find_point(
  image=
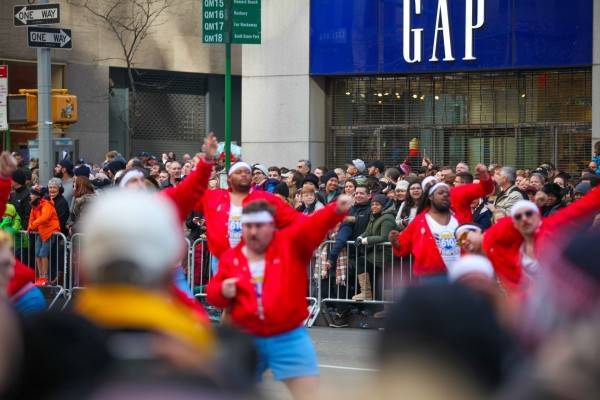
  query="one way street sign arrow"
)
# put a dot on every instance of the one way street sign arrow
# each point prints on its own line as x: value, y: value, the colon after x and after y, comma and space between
x: 37, y: 14
x: 49, y: 37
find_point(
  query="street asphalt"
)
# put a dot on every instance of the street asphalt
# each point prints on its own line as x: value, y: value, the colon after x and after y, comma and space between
x: 347, y: 363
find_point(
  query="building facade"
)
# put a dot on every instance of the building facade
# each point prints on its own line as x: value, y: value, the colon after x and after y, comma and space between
x: 180, y: 95
x: 492, y: 81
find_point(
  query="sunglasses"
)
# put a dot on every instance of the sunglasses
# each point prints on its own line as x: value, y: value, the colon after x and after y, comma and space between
x: 520, y: 216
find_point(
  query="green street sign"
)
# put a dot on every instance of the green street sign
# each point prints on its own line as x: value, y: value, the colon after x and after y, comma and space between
x: 240, y: 17
x: 214, y: 21
x: 245, y: 20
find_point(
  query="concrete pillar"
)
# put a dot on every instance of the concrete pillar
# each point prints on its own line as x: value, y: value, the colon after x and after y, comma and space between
x: 596, y: 76
x: 283, y: 108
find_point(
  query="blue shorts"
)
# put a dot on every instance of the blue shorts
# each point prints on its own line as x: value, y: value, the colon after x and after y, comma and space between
x: 42, y: 249
x: 288, y: 355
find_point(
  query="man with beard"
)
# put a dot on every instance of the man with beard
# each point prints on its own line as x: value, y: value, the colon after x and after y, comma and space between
x: 222, y: 209
x: 64, y: 171
x: 263, y: 282
x: 430, y: 237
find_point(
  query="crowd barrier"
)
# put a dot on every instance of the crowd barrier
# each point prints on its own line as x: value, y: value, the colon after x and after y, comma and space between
x: 327, y: 283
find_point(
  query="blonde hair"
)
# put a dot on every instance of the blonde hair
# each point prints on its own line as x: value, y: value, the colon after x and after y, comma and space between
x: 307, y: 189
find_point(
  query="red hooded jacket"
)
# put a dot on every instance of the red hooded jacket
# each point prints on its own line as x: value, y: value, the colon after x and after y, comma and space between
x: 418, y: 239
x: 215, y: 205
x: 502, y: 242
x: 285, y: 277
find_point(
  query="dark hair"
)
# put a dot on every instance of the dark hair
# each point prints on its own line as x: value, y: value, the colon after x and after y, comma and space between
x: 597, y: 148
x: 276, y: 169
x: 83, y: 186
x: 467, y: 177
x: 136, y: 163
x: 361, y: 186
x: 410, y: 202
x: 298, y: 179
x: 447, y: 167
x: 258, y: 206
x: 283, y: 170
x: 353, y: 182
x: 393, y: 173
x: 323, y: 168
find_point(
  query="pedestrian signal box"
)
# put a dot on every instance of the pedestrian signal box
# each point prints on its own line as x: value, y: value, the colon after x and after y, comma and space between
x: 23, y: 107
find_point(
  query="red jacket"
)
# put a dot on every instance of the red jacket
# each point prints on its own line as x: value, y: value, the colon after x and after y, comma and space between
x: 285, y: 277
x: 5, y: 184
x: 185, y: 195
x: 21, y: 277
x: 215, y: 206
x: 502, y: 242
x: 462, y: 196
x: 418, y: 239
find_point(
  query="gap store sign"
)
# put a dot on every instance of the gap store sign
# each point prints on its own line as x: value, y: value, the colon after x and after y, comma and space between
x: 404, y: 36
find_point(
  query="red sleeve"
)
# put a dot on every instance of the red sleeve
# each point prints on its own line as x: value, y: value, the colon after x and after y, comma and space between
x: 22, y: 275
x: 309, y: 232
x: 213, y: 290
x: 501, y: 244
x: 285, y: 214
x: 405, y: 239
x: 462, y: 196
x: 5, y: 184
x: 574, y: 214
x: 190, y: 190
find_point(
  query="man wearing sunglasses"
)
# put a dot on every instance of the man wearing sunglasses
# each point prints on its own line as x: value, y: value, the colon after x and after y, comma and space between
x: 514, y: 244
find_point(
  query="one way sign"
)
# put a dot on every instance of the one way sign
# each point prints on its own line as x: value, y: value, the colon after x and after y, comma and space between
x: 37, y: 14
x: 49, y: 37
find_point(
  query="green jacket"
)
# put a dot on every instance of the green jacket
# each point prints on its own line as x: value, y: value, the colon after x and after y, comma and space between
x: 11, y: 223
x: 380, y: 227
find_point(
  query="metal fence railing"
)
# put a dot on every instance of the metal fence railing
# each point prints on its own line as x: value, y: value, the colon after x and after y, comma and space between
x: 362, y: 274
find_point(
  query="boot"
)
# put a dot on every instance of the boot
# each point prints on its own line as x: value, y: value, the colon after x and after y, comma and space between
x: 365, y: 288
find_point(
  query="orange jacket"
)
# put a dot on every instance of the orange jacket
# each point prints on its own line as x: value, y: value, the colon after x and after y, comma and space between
x: 43, y: 219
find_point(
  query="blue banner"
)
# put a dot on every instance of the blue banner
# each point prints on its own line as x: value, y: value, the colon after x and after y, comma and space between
x: 412, y: 36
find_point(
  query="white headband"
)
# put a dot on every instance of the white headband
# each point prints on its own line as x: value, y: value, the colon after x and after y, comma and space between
x: 523, y: 205
x: 427, y: 181
x: 466, y: 227
x: 129, y: 175
x: 437, y: 186
x: 260, y: 217
x: 238, y: 165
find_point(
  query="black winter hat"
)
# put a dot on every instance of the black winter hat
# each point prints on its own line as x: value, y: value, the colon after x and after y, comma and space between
x: 282, y: 189
x: 19, y: 177
x: 82, y: 170
x: 66, y: 164
x: 37, y: 192
x: 554, y: 189
x: 311, y: 178
x: 327, y: 176
x: 380, y: 198
x: 115, y: 166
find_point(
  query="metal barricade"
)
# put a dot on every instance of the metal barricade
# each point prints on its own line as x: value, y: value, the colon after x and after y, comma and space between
x: 360, y: 268
x: 55, y: 261
x: 74, y: 261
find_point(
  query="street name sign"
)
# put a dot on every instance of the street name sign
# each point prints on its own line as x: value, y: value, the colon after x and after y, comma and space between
x: 36, y: 14
x: 245, y: 22
x: 49, y: 37
x: 231, y: 21
x: 3, y: 96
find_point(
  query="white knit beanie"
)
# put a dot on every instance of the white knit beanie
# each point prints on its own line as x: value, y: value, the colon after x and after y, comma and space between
x: 134, y: 227
x: 470, y: 264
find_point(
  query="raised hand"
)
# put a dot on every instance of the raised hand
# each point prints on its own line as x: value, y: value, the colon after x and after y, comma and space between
x: 344, y: 202
x: 8, y: 164
x: 209, y: 147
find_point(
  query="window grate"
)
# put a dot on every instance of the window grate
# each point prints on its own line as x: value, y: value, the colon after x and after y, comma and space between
x: 519, y: 118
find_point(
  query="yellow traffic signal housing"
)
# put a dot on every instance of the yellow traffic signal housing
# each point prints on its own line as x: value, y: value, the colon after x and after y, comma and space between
x: 64, y: 108
x: 23, y: 107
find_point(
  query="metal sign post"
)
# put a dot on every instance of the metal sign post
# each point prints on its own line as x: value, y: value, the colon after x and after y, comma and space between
x: 227, y: 22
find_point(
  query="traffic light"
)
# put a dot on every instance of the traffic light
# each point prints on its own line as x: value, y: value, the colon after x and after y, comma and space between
x: 23, y: 107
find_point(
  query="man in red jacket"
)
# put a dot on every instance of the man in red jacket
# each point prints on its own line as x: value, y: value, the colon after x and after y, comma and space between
x: 263, y: 282
x: 430, y: 236
x: 514, y: 244
x: 222, y: 209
